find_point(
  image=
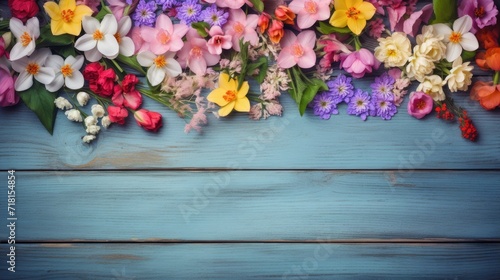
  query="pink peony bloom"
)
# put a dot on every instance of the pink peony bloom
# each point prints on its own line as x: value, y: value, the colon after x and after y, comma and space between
x: 310, y: 11
x: 420, y: 104
x: 165, y: 36
x: 359, y: 63
x: 239, y: 25
x: 218, y: 41
x: 483, y: 13
x: 195, y: 54
x: 8, y: 96
x: 297, y: 50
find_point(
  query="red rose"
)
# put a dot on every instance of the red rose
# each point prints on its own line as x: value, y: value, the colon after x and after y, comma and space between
x: 117, y: 114
x: 129, y: 82
x: 23, y: 9
x: 148, y: 120
x: 105, y: 83
x: 132, y: 99
x: 92, y: 71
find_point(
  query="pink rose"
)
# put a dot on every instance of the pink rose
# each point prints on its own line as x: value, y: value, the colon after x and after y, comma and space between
x: 359, y: 63
x: 117, y: 114
x: 148, y: 120
x: 8, y: 96
x: 420, y: 104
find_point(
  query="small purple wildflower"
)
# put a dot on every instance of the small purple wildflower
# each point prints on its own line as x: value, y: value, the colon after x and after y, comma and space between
x: 341, y: 89
x: 360, y: 104
x: 167, y: 4
x: 324, y: 105
x: 383, y: 108
x: 189, y: 12
x: 383, y: 86
x: 214, y: 16
x: 144, y: 14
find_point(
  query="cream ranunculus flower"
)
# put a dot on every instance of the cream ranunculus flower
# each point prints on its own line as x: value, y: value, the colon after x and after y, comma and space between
x: 419, y: 65
x: 460, y: 76
x: 432, y: 86
x: 431, y: 44
x: 394, y: 50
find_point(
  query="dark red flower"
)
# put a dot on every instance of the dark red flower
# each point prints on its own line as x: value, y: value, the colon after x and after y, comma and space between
x: 23, y: 9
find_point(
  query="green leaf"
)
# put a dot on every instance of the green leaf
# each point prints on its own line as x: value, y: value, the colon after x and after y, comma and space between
x: 258, y: 5
x: 65, y: 51
x: 46, y: 38
x: 261, y: 64
x: 41, y: 101
x: 298, y: 85
x: 4, y: 25
x: 468, y: 56
x: 310, y: 93
x: 104, y: 11
x: 326, y: 28
x: 132, y: 63
x: 244, y: 62
x: 201, y: 27
x: 445, y: 11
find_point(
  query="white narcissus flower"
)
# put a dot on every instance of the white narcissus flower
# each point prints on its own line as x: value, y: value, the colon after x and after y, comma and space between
x: 97, y: 111
x: 419, y: 66
x: 26, y: 36
x: 159, y: 66
x: 74, y: 115
x: 33, y: 66
x: 82, y: 97
x: 127, y: 47
x: 432, y: 86
x: 394, y: 50
x: 431, y: 44
x: 99, y: 39
x: 105, y: 122
x: 62, y: 103
x: 460, y: 76
x: 88, y: 138
x: 459, y: 38
x: 67, y: 72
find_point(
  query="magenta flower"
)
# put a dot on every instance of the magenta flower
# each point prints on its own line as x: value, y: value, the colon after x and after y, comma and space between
x: 297, y: 50
x: 8, y: 96
x: 195, y: 54
x: 218, y: 41
x: 359, y: 63
x: 239, y: 25
x: 420, y: 104
x: 310, y: 11
x: 483, y: 13
x: 165, y: 36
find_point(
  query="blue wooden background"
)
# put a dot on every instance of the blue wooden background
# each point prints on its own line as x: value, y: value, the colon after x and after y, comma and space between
x: 287, y: 198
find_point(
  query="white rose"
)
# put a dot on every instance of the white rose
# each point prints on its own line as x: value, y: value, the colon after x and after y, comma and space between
x: 394, y: 50
x: 105, y: 122
x: 93, y: 129
x: 430, y: 44
x: 419, y: 66
x: 62, y: 103
x: 74, y: 115
x: 97, y: 111
x: 88, y: 138
x: 432, y: 86
x: 90, y: 120
x: 82, y: 98
x: 460, y: 76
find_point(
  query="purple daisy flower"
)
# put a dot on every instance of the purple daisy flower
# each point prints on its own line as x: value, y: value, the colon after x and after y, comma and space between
x: 383, y: 108
x: 145, y: 14
x: 167, y: 4
x: 214, y: 16
x: 341, y: 89
x: 324, y: 105
x: 383, y: 86
x: 189, y: 12
x: 360, y: 104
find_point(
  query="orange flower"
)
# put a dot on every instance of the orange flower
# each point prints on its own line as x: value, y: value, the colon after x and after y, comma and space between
x: 276, y: 31
x: 487, y: 94
x: 481, y: 61
x: 488, y: 37
x: 284, y: 14
x: 493, y: 58
x: 263, y: 22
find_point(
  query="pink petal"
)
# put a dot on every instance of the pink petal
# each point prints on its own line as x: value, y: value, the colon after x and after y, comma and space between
x: 198, y: 65
x: 308, y: 60
x: 307, y: 39
x: 164, y: 22
x: 288, y: 39
x: 286, y: 59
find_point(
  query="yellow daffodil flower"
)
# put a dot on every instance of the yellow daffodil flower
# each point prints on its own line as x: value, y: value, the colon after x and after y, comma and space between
x: 66, y: 18
x: 228, y: 97
x: 353, y: 14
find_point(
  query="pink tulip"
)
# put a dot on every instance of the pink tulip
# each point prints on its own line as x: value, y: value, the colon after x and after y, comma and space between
x: 195, y: 54
x: 359, y: 63
x: 420, y: 104
x: 165, y: 36
x: 297, y: 50
x: 8, y: 96
x: 218, y: 41
x: 239, y: 25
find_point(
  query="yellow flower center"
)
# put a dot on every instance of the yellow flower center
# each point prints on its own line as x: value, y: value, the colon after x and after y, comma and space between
x: 311, y: 7
x: 297, y: 50
x: 352, y: 13
x: 33, y: 68
x: 163, y: 37
x: 230, y: 95
x: 196, y: 52
x: 98, y: 35
x: 118, y: 38
x: 67, y: 71
x: 455, y: 37
x: 67, y: 15
x: 479, y: 12
x: 239, y: 28
x: 25, y: 39
x: 391, y: 53
x: 160, y: 61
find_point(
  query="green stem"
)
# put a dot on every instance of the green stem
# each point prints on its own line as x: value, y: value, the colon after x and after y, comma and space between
x: 357, y: 43
x: 117, y: 65
x: 496, y: 78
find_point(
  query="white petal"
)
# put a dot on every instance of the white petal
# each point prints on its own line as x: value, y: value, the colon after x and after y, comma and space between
x: 17, y: 27
x: 155, y: 75
x: 462, y: 25
x: 75, y: 81
x: 127, y: 47
x: 24, y: 81
x: 40, y: 56
x: 20, y: 65
x: 93, y: 55
x: 109, y: 24
x: 18, y: 51
x: 108, y: 46
x: 443, y: 29
x: 124, y: 26
x: 453, y: 51
x: 56, y: 84
x: 54, y: 62
x: 90, y: 24
x: 173, y: 68
x: 146, y: 58
x: 469, y: 42
x: 75, y: 62
x: 85, y: 43
x: 45, y: 75
x: 33, y: 26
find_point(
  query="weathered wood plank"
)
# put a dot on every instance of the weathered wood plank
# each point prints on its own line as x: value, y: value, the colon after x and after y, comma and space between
x: 290, y: 142
x: 255, y: 205
x: 254, y: 261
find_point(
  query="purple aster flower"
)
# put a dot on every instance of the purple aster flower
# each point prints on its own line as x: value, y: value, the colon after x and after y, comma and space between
x: 145, y: 14
x: 189, y: 12
x: 483, y: 12
x: 383, y: 108
x: 360, y: 104
x: 383, y: 86
x: 341, y: 89
x: 167, y: 4
x: 214, y: 16
x: 324, y: 105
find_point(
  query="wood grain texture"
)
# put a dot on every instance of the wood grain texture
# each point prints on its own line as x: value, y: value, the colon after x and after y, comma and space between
x: 256, y: 261
x: 255, y: 205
